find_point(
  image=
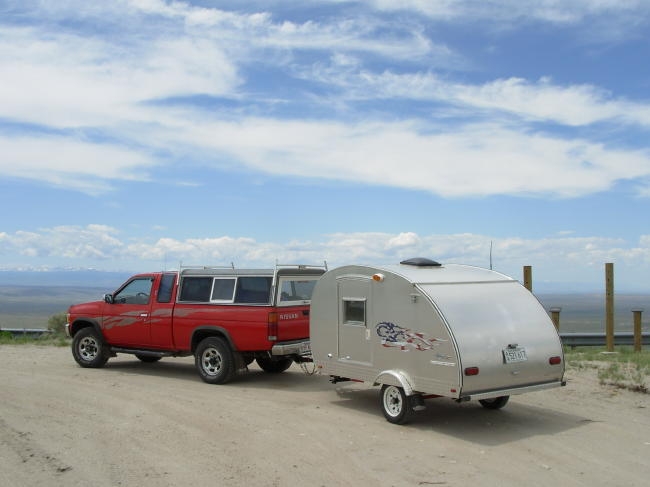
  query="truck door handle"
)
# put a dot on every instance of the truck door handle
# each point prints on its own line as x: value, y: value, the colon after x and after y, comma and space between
x: 144, y: 315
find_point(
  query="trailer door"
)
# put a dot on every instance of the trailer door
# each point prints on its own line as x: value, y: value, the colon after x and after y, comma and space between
x: 354, y: 309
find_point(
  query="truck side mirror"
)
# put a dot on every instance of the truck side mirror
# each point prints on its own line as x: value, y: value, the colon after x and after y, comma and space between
x: 108, y: 298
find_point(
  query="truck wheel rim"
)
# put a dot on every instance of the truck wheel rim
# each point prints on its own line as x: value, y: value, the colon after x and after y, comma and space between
x: 393, y: 403
x: 88, y: 348
x: 212, y: 361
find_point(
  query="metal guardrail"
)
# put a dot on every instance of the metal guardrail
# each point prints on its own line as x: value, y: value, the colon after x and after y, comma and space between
x: 599, y: 339
x: 26, y: 331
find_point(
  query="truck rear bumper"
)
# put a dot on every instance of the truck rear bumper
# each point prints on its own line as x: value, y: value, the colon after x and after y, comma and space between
x: 512, y: 391
x: 297, y: 347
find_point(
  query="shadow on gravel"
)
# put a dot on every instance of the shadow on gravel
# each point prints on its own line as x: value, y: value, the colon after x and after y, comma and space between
x: 293, y: 379
x: 470, y: 421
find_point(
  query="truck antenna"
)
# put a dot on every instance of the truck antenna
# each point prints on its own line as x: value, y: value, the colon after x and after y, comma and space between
x: 490, y: 254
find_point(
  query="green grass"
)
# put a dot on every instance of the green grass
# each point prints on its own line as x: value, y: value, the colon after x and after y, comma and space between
x: 622, y: 368
x: 49, y: 339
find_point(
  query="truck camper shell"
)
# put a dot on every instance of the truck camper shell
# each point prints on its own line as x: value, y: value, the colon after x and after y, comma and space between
x: 421, y: 329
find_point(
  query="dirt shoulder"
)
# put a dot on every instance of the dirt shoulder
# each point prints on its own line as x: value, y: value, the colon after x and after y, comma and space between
x: 136, y: 424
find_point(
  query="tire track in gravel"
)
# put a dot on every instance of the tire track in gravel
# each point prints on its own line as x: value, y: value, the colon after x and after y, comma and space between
x: 29, y: 452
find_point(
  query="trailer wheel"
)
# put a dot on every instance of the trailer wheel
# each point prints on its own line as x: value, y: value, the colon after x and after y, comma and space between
x: 396, y: 405
x: 273, y: 366
x: 147, y: 358
x: 495, y: 403
x: 89, y: 349
x: 214, y: 361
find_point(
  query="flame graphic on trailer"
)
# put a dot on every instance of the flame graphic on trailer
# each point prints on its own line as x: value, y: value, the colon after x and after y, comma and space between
x: 393, y: 335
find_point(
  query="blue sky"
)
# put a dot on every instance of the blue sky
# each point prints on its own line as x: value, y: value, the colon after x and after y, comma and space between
x: 135, y: 134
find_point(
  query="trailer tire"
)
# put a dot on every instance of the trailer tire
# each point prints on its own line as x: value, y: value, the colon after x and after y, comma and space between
x: 494, y: 403
x: 214, y: 361
x: 273, y: 366
x: 149, y: 359
x: 396, y: 405
x: 89, y: 349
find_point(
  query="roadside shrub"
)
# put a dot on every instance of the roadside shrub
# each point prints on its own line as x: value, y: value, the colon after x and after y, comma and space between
x: 56, y: 324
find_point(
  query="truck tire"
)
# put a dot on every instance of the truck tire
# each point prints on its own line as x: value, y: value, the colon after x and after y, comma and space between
x: 273, y: 366
x: 89, y: 349
x: 215, y: 361
x: 494, y: 403
x: 396, y: 405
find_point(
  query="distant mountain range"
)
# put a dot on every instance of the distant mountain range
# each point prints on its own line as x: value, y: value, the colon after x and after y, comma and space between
x: 28, y: 298
x: 92, y: 278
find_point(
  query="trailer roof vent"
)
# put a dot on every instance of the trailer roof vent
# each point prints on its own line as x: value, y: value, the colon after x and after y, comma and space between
x: 421, y: 262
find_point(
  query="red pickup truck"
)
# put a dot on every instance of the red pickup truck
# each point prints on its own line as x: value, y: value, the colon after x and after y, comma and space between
x: 225, y: 317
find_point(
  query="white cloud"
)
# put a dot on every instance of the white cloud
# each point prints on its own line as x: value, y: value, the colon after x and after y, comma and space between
x: 552, y: 11
x: 93, y: 242
x: 571, y: 105
x: 558, y: 259
x: 91, y: 82
x: 473, y: 160
x: 70, y: 163
x: 104, y: 84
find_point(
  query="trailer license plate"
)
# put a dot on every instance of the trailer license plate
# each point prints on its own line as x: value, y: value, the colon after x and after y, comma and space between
x: 512, y: 355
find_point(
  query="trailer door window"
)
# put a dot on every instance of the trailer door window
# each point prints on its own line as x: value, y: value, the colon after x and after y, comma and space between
x: 354, y: 311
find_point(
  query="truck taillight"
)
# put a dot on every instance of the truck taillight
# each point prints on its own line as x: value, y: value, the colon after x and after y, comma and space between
x: 273, y: 326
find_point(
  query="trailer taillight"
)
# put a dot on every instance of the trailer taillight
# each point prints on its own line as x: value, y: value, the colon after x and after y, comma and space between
x: 555, y: 360
x: 272, y: 330
x: 471, y: 371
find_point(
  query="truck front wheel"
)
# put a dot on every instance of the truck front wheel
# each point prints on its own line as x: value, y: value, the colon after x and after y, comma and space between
x: 397, y: 406
x: 215, y: 361
x: 89, y: 349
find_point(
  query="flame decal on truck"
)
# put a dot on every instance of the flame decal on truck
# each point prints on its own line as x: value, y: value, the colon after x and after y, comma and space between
x: 405, y: 339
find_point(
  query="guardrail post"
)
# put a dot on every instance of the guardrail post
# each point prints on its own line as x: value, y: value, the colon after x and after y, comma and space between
x: 609, y: 306
x: 637, y: 329
x: 528, y: 278
x: 555, y: 316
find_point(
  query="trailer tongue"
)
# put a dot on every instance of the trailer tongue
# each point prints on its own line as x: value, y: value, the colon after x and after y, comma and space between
x: 421, y: 329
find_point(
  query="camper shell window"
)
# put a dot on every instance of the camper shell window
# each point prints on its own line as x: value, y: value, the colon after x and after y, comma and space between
x: 222, y: 290
x: 225, y: 290
x: 354, y: 311
x: 295, y: 290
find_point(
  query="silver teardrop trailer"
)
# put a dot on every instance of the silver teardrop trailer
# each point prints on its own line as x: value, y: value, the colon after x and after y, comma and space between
x: 422, y: 330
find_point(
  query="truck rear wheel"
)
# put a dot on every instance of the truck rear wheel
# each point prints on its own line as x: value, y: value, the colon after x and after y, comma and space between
x: 272, y: 366
x: 396, y: 405
x: 494, y: 403
x: 215, y: 361
x: 89, y: 349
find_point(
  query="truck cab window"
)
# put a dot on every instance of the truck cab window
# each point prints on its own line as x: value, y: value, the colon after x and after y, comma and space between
x: 166, y: 288
x: 136, y: 291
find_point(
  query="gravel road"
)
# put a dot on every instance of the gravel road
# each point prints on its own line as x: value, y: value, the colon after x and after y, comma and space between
x: 137, y: 424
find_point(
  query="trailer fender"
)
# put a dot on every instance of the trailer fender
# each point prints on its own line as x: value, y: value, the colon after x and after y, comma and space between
x: 395, y: 378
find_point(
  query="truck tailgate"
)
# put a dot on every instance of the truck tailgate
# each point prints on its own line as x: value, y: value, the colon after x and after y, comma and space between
x: 293, y: 323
